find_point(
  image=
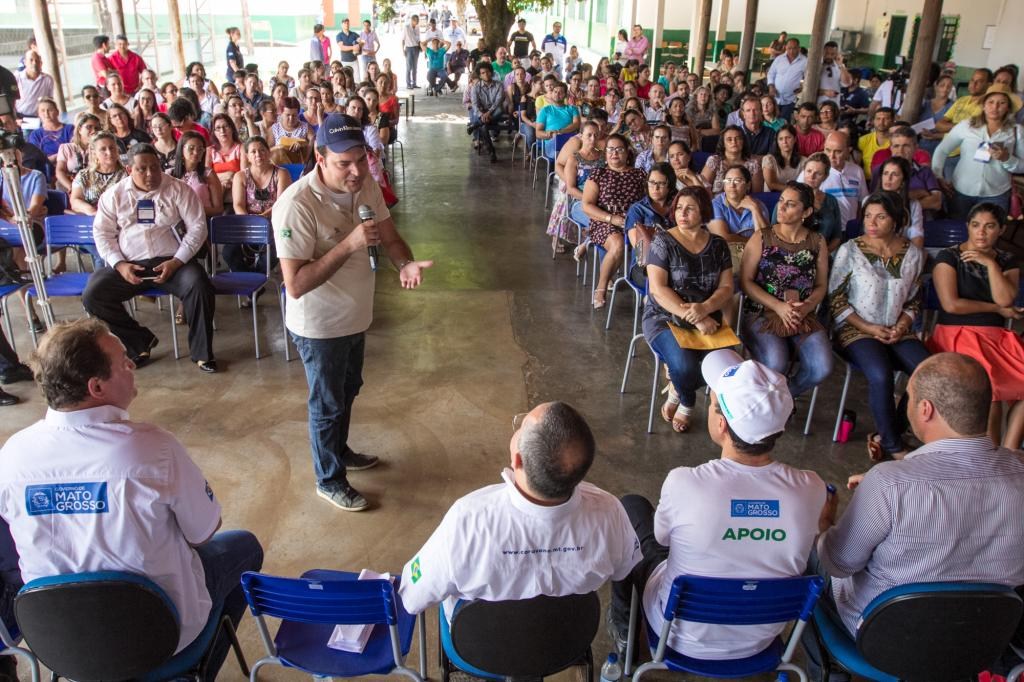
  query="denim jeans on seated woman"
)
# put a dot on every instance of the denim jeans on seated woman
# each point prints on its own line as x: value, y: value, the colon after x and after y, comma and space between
x: 812, y: 349
x: 577, y: 214
x: 683, y: 365
x: 878, y: 362
x: 530, y: 134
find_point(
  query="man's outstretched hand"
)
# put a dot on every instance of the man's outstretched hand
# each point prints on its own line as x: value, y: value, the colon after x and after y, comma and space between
x: 411, y: 274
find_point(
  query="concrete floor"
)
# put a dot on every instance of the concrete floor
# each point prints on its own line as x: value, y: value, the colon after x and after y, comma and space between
x: 497, y: 327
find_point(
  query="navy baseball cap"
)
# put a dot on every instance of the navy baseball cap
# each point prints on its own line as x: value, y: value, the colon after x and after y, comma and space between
x: 339, y: 133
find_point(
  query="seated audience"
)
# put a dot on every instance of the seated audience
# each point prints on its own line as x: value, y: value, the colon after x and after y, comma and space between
x: 784, y: 163
x: 542, y: 504
x: 51, y: 133
x: 828, y: 118
x: 701, y: 112
x: 680, y: 158
x: 950, y: 511
x: 661, y: 137
x: 894, y: 176
x: 290, y: 139
x: 163, y: 140
x: 118, y: 96
x: 770, y: 113
x: 689, y: 274
x: 103, y: 172
x: 144, y: 109
x: 135, y: 250
x: 556, y: 118
x: 874, y: 296
x: 977, y: 285
x: 697, y: 530
x: 92, y: 99
x: 378, y: 119
x: 679, y: 124
x: 241, y: 117
x: 190, y: 167
x: 73, y: 156
x: 735, y: 214
x: 733, y: 150
x: 635, y: 129
x: 607, y: 195
x: 784, y: 273
x: 845, y: 180
x: 876, y: 139
x: 826, y: 209
x: 809, y: 139
x: 760, y: 137
x: 489, y: 106
x: 159, y: 517
x: 119, y: 123
x: 183, y: 118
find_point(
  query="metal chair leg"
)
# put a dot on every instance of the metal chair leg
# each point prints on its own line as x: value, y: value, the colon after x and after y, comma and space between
x: 629, y: 360
x: 255, y: 326
x: 611, y: 303
x: 842, y: 404
x: 654, y: 392
x: 810, y: 411
x: 174, y: 328
x: 634, y: 608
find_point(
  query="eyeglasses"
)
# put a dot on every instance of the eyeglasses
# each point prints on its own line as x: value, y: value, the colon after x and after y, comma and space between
x: 657, y: 183
x: 734, y: 181
x: 615, y: 150
x: 517, y: 421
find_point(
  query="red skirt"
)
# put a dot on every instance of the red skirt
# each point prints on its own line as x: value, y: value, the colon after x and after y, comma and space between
x: 999, y: 351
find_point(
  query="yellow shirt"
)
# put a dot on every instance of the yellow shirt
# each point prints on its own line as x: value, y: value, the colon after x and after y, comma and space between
x: 540, y: 102
x: 868, y: 145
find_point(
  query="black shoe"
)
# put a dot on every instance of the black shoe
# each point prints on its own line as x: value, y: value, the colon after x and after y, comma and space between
x: 344, y: 497
x: 208, y: 366
x: 141, y: 359
x: 8, y: 399
x: 16, y: 374
x: 355, y: 461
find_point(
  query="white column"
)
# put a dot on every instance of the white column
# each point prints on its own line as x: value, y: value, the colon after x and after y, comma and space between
x: 659, y: 32
x: 723, y: 20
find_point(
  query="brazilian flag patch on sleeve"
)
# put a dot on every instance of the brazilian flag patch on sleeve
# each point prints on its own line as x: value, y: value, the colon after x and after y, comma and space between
x: 415, y: 573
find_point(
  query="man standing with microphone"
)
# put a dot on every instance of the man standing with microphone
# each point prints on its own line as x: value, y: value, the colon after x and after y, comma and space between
x: 327, y: 228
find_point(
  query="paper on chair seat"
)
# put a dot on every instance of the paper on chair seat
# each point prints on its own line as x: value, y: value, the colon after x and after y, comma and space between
x: 353, y: 638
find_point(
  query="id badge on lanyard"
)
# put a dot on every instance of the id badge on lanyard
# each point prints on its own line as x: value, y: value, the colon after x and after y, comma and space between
x: 145, y: 212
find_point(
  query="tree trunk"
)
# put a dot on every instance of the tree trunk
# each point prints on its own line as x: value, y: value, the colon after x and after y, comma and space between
x: 460, y: 12
x: 496, y: 21
x: 100, y: 8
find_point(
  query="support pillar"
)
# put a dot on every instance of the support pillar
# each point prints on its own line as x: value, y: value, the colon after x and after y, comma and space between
x: 116, y: 18
x: 749, y: 34
x: 47, y: 48
x: 721, y: 29
x: 246, y: 27
x: 927, y: 33
x: 177, y: 49
x: 699, y: 44
x: 659, y: 37
x: 632, y: 18
x: 819, y: 35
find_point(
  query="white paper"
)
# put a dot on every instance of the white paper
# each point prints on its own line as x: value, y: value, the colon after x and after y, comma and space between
x: 353, y: 638
x: 924, y: 126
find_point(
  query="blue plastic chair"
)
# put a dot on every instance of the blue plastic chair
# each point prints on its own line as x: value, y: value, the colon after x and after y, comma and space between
x: 854, y: 229
x: 56, y: 202
x: 309, y: 607
x: 698, y: 160
x: 654, y: 384
x: 549, y: 153
x: 241, y: 229
x: 629, y: 259
x: 729, y: 601
x: 10, y: 234
x: 769, y: 199
x: 62, y: 231
x: 294, y: 170
x: 910, y: 632
x: 113, y: 625
x: 940, y: 234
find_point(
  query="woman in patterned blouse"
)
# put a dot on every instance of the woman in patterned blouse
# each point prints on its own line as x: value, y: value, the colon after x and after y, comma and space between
x: 874, y: 295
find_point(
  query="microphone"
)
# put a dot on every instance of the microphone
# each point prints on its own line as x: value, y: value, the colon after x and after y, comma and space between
x: 366, y: 213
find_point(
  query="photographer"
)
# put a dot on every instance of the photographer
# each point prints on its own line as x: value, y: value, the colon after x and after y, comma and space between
x: 890, y: 93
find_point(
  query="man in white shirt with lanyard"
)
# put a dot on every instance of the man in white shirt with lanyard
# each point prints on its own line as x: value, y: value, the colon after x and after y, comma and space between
x: 87, y: 489
x: 136, y: 233
x: 741, y: 516
x: 322, y: 242
x: 542, y: 531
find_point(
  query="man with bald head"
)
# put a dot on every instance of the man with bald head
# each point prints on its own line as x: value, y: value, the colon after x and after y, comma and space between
x: 845, y: 180
x: 948, y: 511
x: 542, y: 531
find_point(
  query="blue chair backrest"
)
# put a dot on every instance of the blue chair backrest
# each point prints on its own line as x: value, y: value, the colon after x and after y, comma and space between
x: 56, y: 202
x: 341, y: 602
x: 732, y: 601
x: 69, y: 230
x: 709, y: 144
x: 561, y: 139
x: 938, y: 631
x: 698, y: 160
x: 239, y: 229
x: 769, y: 199
x: 9, y: 233
x: 294, y: 170
x: 940, y: 234
x: 104, y: 625
x: 854, y: 229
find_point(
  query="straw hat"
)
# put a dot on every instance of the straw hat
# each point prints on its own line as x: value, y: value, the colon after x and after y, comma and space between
x: 1001, y: 89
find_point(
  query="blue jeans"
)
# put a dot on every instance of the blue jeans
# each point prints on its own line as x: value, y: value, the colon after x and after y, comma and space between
x: 961, y: 204
x: 683, y: 365
x: 334, y: 372
x: 577, y: 214
x: 412, y: 58
x: 878, y: 362
x: 786, y: 112
x: 530, y: 134
x: 226, y: 556
x: 812, y: 349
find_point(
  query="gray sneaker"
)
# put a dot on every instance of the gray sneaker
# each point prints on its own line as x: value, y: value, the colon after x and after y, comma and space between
x: 354, y: 461
x: 346, y: 499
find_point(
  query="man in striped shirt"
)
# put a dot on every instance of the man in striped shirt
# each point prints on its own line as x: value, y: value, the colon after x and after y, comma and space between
x: 949, y: 511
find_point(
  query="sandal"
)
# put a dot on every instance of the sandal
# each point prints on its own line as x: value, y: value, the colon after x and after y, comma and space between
x: 875, y: 452
x: 580, y: 252
x: 668, y: 410
x: 179, y: 318
x: 681, y: 419
x: 599, y: 302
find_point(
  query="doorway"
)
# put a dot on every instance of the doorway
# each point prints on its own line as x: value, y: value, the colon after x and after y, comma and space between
x: 897, y: 28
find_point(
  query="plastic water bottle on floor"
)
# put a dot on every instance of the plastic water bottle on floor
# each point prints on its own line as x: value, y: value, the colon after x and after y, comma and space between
x: 783, y: 677
x: 611, y: 671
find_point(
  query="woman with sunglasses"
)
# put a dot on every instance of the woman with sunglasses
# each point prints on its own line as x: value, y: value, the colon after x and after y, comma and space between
x: 73, y: 156
x: 92, y: 99
x: 253, y: 192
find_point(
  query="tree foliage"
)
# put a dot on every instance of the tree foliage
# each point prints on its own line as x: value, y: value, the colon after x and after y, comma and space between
x: 496, y: 16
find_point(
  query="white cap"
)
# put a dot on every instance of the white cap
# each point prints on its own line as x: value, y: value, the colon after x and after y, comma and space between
x: 754, y: 399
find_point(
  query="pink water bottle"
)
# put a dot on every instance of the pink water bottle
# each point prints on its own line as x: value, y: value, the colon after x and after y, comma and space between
x: 847, y: 425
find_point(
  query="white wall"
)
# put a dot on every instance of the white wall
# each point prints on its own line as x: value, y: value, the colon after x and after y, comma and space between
x: 1009, y: 28
x: 794, y: 16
